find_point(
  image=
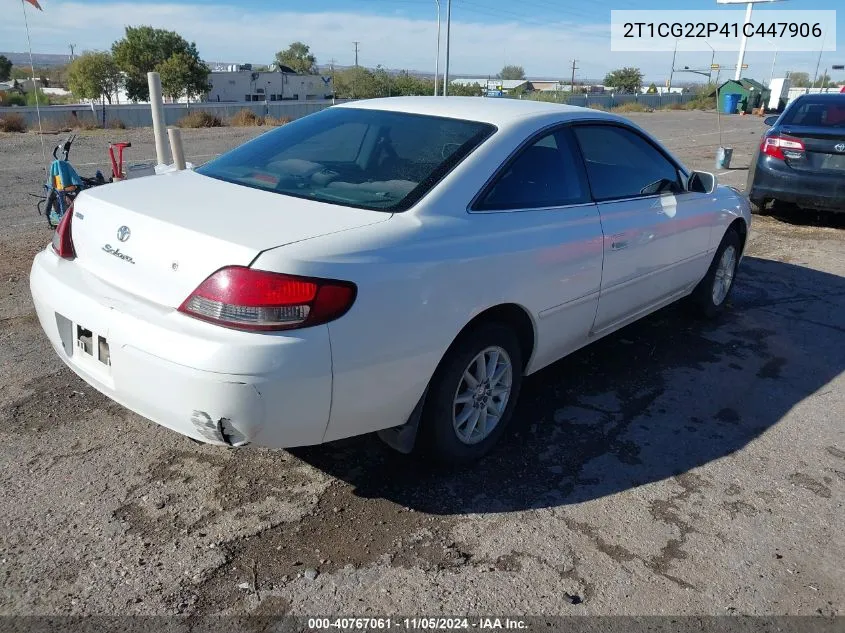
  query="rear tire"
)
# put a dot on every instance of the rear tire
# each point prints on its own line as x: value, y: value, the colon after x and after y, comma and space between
x: 711, y: 295
x: 52, y: 208
x: 471, y: 401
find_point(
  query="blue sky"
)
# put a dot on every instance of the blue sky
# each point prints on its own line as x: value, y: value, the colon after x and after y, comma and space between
x: 541, y: 35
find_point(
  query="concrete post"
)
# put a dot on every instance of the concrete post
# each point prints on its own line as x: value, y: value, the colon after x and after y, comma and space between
x: 176, y: 149
x: 157, y: 106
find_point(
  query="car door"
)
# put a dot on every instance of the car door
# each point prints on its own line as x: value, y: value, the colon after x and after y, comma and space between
x: 654, y: 230
x: 540, y: 201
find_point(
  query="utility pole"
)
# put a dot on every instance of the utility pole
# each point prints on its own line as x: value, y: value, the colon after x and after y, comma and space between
x: 356, y: 53
x: 437, y: 61
x: 331, y: 67
x: 672, y: 72
x: 71, y: 47
x: 818, y: 63
x: 448, y: 42
x: 572, y: 83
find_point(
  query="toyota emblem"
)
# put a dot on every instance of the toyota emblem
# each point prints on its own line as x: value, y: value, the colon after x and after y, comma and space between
x: 840, y: 147
x: 123, y: 233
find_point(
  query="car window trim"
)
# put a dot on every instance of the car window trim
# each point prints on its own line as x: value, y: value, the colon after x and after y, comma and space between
x: 679, y: 169
x: 472, y: 207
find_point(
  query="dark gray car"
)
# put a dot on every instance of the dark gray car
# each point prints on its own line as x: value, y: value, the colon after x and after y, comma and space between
x: 801, y: 159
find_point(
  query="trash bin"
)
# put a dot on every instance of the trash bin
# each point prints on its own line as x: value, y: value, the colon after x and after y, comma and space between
x: 730, y: 103
x: 723, y: 157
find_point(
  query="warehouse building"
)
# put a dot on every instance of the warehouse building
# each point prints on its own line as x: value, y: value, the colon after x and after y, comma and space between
x: 240, y: 84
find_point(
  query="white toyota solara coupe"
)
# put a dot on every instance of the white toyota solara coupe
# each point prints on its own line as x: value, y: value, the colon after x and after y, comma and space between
x: 395, y: 265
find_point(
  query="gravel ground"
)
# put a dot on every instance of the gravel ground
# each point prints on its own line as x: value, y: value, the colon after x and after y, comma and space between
x: 676, y: 467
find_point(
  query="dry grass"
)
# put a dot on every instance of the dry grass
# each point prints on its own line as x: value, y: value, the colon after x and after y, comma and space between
x: 632, y: 106
x: 117, y: 124
x: 283, y: 120
x: 246, y: 118
x: 200, y: 118
x: 12, y: 122
x: 598, y: 106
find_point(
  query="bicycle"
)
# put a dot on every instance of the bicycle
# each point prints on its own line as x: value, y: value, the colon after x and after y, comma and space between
x: 65, y: 183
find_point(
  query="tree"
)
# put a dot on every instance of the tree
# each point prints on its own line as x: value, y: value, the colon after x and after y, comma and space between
x: 143, y: 49
x: 512, y: 72
x: 182, y: 74
x: 94, y: 75
x: 626, y: 79
x: 5, y: 68
x: 298, y: 57
x: 800, y: 80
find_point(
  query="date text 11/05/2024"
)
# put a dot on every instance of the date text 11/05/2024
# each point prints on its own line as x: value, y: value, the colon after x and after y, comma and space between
x: 417, y: 623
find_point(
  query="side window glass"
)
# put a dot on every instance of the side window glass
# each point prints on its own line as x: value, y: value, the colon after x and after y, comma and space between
x: 622, y: 164
x: 544, y: 174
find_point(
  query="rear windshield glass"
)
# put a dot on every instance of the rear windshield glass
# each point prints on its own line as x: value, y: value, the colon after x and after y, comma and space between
x: 817, y: 113
x: 372, y: 159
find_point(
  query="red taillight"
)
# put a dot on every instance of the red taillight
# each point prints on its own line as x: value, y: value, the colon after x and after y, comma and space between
x: 782, y: 147
x: 248, y: 299
x: 62, y: 237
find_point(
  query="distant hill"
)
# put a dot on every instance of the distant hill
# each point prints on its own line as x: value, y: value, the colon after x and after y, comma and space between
x: 40, y: 59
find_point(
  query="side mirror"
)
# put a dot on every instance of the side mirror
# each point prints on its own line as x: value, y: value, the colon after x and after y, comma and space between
x: 702, y: 182
x: 770, y: 120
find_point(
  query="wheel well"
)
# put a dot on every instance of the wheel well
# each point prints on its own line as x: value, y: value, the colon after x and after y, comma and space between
x: 741, y: 229
x: 513, y: 316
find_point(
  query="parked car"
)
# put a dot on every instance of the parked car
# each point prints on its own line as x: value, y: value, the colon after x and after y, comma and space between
x: 395, y: 265
x: 801, y: 159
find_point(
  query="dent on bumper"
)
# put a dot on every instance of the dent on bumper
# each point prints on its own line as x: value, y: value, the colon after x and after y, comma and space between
x: 286, y: 405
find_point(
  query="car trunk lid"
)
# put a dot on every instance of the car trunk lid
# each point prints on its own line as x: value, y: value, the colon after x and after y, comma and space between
x: 824, y: 148
x: 159, y: 237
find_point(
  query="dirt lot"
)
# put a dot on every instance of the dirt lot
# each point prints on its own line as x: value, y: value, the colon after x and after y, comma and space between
x: 674, y: 468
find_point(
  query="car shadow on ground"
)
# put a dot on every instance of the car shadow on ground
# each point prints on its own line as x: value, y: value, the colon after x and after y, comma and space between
x: 808, y: 217
x: 657, y: 399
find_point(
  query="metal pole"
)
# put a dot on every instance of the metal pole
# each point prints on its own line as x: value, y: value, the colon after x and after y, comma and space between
x: 744, y: 43
x: 157, y: 107
x: 818, y: 63
x: 437, y: 60
x: 774, y: 61
x: 448, y: 42
x: 672, y: 72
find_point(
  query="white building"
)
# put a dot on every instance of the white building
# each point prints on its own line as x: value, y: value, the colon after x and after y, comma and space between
x: 248, y: 85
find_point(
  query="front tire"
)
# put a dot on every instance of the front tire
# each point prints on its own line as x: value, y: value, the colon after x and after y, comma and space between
x: 711, y: 294
x: 472, y: 395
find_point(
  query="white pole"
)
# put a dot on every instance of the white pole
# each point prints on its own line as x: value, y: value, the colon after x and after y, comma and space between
x: 175, y: 135
x: 35, y: 87
x: 744, y: 43
x: 448, y: 42
x: 157, y: 106
x: 774, y: 61
x: 437, y: 61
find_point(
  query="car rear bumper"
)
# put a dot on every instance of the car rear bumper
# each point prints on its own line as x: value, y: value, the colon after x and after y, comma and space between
x: 213, y: 384
x: 814, y: 191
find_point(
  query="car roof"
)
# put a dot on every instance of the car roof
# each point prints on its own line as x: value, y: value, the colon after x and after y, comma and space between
x: 497, y: 111
x: 832, y: 96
